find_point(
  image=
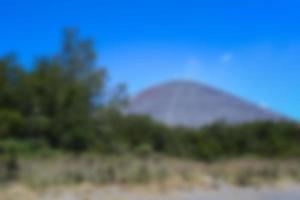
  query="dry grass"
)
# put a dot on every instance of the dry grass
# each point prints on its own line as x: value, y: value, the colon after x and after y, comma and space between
x: 156, y: 172
x: 134, y: 177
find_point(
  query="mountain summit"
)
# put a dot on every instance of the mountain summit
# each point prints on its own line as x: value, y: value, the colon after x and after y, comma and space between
x: 192, y: 104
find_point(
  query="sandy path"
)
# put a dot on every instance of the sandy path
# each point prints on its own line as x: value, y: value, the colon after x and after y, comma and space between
x: 116, y: 193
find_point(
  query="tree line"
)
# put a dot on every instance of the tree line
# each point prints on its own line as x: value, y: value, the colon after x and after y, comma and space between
x: 62, y: 102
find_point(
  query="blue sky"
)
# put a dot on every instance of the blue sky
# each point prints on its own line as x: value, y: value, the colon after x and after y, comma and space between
x: 249, y: 48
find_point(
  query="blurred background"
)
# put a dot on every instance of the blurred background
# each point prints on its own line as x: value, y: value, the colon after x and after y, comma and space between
x: 248, y: 48
x: 198, y: 99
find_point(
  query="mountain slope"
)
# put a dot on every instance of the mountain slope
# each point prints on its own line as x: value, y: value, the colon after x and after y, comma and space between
x: 192, y: 104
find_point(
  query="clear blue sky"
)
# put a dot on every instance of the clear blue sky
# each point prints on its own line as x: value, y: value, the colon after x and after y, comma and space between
x: 249, y: 48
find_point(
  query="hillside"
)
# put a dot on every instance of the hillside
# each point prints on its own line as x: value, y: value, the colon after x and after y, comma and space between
x: 192, y: 104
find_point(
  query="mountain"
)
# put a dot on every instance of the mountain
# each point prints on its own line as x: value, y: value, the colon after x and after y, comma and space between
x: 192, y: 104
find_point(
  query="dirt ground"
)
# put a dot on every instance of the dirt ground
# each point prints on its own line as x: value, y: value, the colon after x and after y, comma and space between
x: 92, y: 192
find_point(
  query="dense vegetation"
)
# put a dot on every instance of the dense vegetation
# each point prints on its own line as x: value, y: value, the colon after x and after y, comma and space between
x: 63, y: 103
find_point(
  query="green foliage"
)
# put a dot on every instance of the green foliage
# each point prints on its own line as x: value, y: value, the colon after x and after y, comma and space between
x: 62, y: 103
x: 56, y: 99
x: 217, y: 141
x: 12, y: 123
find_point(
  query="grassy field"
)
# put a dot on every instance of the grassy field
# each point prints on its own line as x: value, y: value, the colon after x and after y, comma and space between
x: 165, y: 172
x: 88, y: 176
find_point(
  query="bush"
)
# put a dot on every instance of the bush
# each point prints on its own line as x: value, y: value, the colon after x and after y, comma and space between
x: 60, y: 103
x: 11, y: 123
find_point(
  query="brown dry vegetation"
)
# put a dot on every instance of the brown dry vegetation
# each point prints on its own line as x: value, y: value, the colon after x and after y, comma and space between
x: 130, y: 170
x: 91, y: 176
